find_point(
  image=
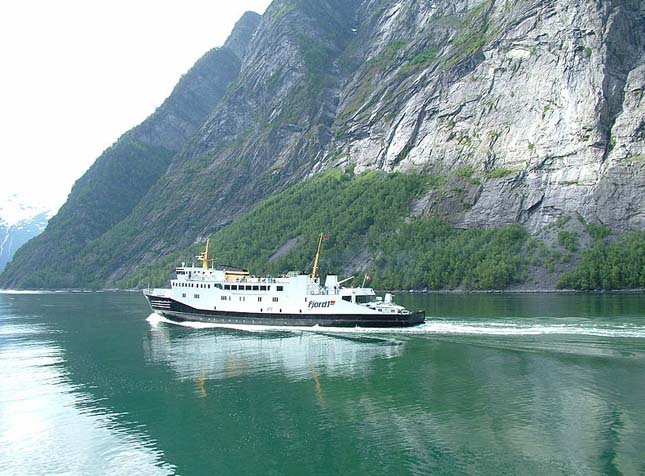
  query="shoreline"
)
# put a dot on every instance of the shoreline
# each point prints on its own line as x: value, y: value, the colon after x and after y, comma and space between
x: 393, y: 291
x: 515, y: 291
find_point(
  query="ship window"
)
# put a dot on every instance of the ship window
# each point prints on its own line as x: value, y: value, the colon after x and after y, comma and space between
x: 209, y: 286
x: 263, y: 288
x: 347, y: 298
x: 365, y: 299
x: 259, y: 299
x: 233, y: 287
x: 227, y: 286
x: 249, y: 288
x: 280, y: 288
x: 218, y: 286
x: 223, y: 298
x: 275, y: 299
x: 183, y: 295
x: 196, y: 296
x: 256, y: 288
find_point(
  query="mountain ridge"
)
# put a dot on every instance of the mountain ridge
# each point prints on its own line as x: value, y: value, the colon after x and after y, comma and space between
x: 521, y: 112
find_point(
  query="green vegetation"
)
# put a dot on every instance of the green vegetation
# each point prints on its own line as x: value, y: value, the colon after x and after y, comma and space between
x: 470, y: 42
x: 420, y: 61
x: 316, y: 55
x: 466, y: 174
x: 429, y: 253
x: 373, y: 69
x: 598, y: 232
x: 366, y: 217
x: 617, y: 264
x: 499, y: 172
x: 475, y: 33
x: 341, y: 204
x: 436, y: 181
x: 568, y: 240
x: 102, y: 198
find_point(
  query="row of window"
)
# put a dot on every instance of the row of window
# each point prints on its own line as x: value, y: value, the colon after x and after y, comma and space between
x: 195, y: 285
x: 249, y: 287
x: 228, y: 287
x: 242, y: 298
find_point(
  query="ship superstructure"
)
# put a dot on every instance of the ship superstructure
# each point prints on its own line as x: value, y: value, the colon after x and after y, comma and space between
x: 231, y: 295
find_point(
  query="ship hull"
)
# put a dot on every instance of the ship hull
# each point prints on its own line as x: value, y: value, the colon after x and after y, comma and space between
x: 177, y: 311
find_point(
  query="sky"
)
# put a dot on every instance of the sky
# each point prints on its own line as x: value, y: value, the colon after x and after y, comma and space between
x: 76, y: 74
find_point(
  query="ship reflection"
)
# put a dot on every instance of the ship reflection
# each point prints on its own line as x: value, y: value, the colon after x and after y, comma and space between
x: 210, y: 354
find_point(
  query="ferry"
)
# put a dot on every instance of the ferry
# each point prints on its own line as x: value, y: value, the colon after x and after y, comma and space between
x: 230, y: 295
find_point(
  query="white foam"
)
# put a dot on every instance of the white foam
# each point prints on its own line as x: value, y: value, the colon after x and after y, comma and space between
x: 440, y: 327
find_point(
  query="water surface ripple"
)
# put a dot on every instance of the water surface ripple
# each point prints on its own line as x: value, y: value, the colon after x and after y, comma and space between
x: 521, y: 384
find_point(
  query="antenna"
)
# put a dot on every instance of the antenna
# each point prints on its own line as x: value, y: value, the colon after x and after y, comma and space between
x: 203, y: 256
x: 314, y: 271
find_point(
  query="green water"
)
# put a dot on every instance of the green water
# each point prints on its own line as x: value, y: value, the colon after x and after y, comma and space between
x: 492, y: 385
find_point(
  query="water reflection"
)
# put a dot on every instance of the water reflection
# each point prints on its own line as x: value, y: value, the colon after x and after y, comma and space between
x: 225, y: 353
x: 49, y: 426
x: 89, y: 387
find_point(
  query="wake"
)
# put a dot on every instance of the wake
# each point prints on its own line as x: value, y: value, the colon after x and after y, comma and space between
x: 444, y: 327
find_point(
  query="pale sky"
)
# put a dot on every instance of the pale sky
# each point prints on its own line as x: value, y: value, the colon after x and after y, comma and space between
x: 76, y: 74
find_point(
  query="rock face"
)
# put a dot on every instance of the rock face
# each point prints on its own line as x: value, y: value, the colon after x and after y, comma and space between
x: 523, y: 110
x: 541, y: 99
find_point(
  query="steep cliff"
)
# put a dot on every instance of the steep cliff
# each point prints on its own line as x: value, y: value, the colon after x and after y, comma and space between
x: 540, y: 102
x: 522, y: 111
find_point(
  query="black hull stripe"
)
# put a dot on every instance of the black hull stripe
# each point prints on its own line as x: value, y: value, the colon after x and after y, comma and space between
x: 177, y: 311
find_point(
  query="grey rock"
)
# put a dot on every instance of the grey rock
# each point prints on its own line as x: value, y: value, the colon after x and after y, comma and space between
x: 552, y: 86
x: 541, y: 100
x: 240, y: 38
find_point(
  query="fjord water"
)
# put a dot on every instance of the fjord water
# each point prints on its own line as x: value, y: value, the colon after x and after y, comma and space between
x: 491, y: 384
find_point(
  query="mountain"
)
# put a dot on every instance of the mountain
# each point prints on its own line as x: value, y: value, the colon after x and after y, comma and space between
x: 19, y: 223
x: 122, y: 175
x: 522, y: 112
